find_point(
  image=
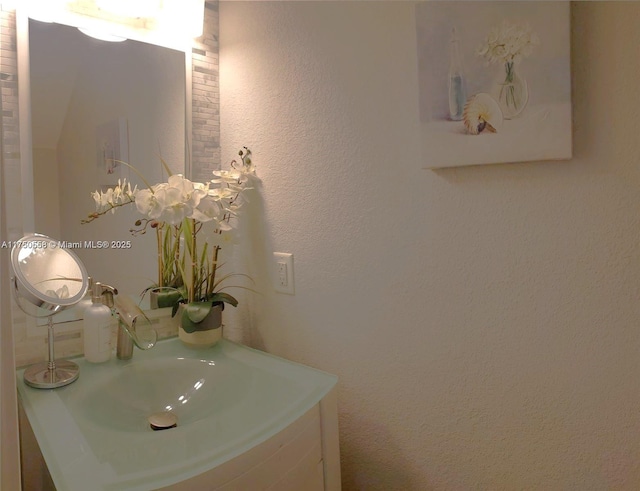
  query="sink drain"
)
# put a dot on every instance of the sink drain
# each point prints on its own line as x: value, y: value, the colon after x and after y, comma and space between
x: 162, y: 421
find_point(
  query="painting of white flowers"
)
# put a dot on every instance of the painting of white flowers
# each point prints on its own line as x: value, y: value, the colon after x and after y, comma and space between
x: 494, y: 82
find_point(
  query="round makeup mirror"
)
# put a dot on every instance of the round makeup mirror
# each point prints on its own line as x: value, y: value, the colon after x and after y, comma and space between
x: 47, y: 279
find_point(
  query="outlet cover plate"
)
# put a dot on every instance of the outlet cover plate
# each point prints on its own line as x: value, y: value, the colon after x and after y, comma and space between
x: 283, y: 273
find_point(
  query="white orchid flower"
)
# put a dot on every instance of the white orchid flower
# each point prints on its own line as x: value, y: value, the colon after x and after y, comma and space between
x: 226, y: 176
x: 97, y: 198
x: 172, y: 209
x: 213, y: 206
x: 222, y: 194
x: 172, y: 201
x: 208, y: 209
x: 190, y: 193
x: 105, y: 200
x: 113, y: 197
x: 147, y: 202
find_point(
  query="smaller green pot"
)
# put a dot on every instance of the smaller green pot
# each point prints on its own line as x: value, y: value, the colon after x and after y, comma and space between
x: 162, y: 299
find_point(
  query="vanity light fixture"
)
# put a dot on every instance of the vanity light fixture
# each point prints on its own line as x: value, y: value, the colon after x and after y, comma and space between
x: 44, y: 10
x: 169, y: 23
x: 128, y: 8
x: 185, y: 16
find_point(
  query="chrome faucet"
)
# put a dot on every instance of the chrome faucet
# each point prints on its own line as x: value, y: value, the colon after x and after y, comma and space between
x: 124, y: 342
x: 129, y: 316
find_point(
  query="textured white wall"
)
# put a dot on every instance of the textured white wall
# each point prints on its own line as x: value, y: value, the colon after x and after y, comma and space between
x: 483, y: 321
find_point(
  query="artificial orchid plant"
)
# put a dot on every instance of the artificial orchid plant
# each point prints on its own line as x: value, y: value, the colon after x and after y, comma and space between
x: 192, y: 222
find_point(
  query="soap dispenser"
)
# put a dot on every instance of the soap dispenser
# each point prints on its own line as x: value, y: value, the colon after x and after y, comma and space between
x: 97, y: 328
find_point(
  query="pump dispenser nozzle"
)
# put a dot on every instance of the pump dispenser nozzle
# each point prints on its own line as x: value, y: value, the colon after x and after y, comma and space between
x: 96, y: 292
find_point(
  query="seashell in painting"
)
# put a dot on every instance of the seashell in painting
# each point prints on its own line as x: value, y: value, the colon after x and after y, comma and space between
x: 482, y: 113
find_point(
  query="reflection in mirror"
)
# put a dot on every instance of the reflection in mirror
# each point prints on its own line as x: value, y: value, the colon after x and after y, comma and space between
x: 93, y: 101
x: 49, y: 275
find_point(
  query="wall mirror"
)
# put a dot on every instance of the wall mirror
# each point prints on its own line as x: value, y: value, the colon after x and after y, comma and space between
x: 93, y: 100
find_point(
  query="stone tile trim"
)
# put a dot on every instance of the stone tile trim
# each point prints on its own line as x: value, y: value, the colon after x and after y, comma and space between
x: 206, y: 98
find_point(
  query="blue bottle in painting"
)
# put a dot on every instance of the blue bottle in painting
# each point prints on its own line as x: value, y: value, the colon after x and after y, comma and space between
x: 457, y: 86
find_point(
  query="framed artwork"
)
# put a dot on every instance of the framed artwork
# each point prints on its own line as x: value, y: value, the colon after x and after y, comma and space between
x: 112, y: 146
x: 494, y: 82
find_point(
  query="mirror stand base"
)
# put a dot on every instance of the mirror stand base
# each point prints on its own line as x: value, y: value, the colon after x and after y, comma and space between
x: 42, y: 376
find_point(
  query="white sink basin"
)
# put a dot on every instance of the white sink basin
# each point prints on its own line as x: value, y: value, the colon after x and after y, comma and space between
x: 94, y: 433
x: 191, y: 389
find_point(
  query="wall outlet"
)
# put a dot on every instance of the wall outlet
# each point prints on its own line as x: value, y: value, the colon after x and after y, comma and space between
x: 283, y: 277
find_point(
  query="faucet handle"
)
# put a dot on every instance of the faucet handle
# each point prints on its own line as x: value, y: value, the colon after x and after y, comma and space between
x: 106, y: 293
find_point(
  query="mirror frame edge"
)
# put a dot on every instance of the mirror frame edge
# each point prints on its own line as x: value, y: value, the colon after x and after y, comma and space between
x: 24, y: 116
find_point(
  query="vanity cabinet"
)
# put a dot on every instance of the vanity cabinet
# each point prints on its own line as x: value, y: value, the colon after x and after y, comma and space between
x: 293, y: 460
x: 253, y: 422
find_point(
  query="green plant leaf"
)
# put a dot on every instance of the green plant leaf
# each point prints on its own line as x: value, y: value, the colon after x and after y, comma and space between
x: 168, y: 299
x: 193, y: 314
x: 197, y: 311
x: 188, y: 234
x: 166, y: 167
x: 223, y: 297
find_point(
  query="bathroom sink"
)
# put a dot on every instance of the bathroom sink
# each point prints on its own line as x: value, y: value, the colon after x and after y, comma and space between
x: 94, y: 433
x: 192, y: 389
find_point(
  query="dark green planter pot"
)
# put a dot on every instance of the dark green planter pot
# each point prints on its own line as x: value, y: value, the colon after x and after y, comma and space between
x: 208, y: 335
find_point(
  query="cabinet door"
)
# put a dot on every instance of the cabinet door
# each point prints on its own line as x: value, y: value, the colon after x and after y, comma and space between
x: 294, y: 461
x: 290, y: 457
